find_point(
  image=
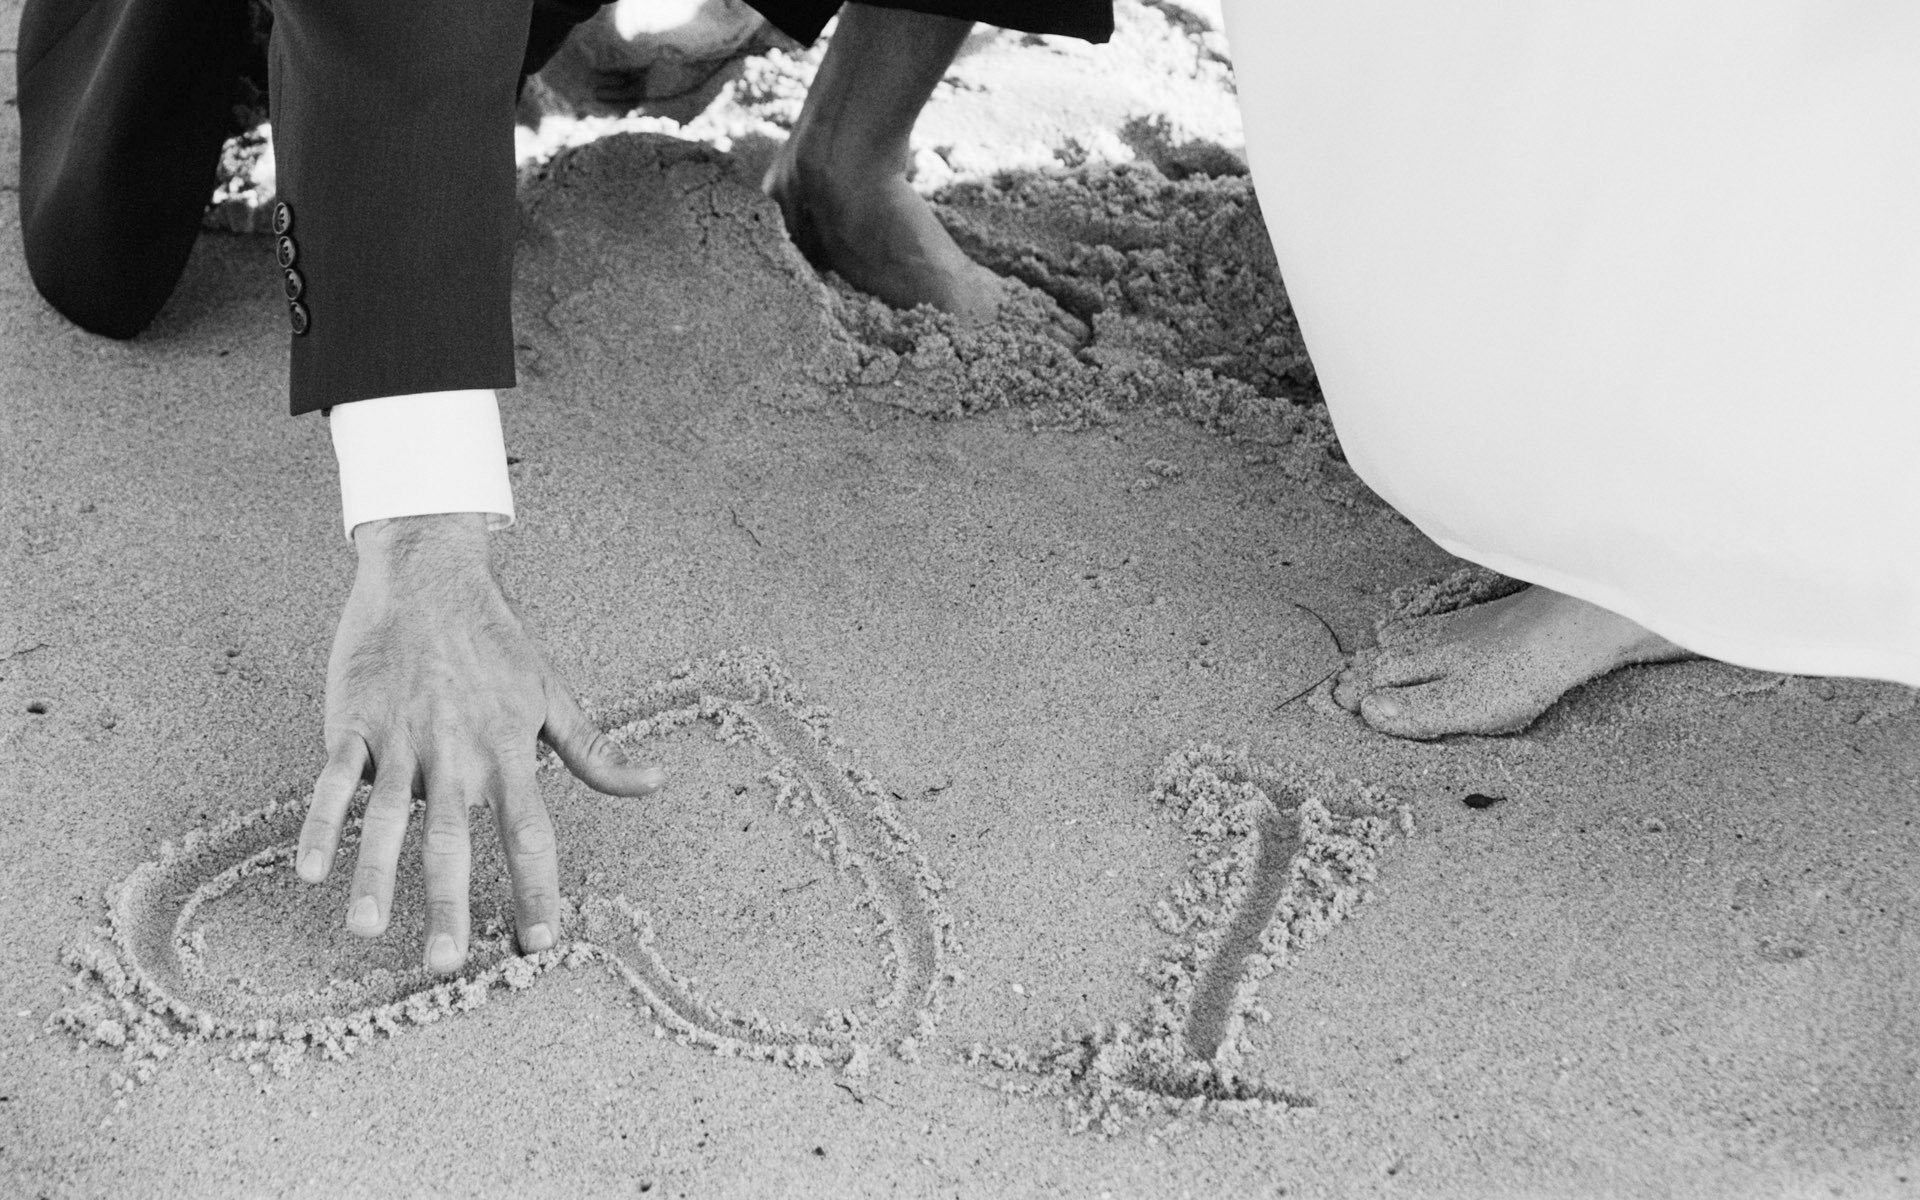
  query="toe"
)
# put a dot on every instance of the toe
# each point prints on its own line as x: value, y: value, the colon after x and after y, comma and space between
x: 1021, y: 305
x: 1389, y: 712
x: 1447, y: 707
x: 1355, y: 681
x: 1407, y: 666
x: 1070, y: 331
x: 1402, y: 712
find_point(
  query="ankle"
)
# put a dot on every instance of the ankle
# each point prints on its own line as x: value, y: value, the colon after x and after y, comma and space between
x: 822, y: 161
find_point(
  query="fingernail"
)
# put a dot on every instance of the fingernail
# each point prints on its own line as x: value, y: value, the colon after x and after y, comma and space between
x: 313, y: 866
x: 442, y: 954
x: 1385, y: 709
x: 364, y: 916
x: 653, y: 778
x: 539, y: 938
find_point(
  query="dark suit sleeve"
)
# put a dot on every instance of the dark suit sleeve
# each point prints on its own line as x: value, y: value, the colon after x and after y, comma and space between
x: 393, y: 140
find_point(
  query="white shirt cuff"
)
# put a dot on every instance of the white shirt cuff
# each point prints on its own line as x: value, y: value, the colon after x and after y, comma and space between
x: 435, y: 452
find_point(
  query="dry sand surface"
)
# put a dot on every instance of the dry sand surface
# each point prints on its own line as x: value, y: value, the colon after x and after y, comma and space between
x: 1024, y: 791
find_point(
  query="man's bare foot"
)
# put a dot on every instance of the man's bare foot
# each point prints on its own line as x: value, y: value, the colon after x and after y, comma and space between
x: 1492, y: 668
x: 841, y: 179
x: 864, y: 220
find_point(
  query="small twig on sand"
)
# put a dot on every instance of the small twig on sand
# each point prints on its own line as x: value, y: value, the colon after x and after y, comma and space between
x: 848, y: 1089
x: 1309, y: 688
x: 798, y: 887
x: 23, y: 650
x: 743, y: 525
x: 1337, y: 649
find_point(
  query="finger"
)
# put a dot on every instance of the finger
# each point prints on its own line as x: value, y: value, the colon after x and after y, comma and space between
x: 381, y: 830
x: 590, y: 754
x: 447, y: 861
x: 527, y: 833
x: 327, y: 811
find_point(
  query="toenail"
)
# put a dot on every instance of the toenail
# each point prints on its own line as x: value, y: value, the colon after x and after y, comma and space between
x: 1385, y: 709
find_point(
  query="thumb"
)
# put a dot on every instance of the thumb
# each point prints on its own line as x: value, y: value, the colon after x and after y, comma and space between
x: 590, y: 754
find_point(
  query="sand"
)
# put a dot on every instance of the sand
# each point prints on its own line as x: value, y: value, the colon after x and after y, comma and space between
x: 1044, y: 637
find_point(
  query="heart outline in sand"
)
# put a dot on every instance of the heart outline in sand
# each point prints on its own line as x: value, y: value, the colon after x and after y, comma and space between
x: 158, y: 995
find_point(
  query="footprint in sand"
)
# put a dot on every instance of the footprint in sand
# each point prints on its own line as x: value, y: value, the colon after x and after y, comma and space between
x: 148, y: 989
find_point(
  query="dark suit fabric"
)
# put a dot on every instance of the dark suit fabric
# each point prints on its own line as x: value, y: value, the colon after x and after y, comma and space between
x: 1090, y: 20
x: 124, y: 105
x: 393, y: 138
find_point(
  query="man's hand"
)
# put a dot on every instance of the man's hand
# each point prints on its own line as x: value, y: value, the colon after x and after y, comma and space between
x: 434, y: 684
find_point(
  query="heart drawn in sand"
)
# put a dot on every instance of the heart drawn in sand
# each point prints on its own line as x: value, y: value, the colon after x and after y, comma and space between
x: 152, y: 964
x: 1279, y: 853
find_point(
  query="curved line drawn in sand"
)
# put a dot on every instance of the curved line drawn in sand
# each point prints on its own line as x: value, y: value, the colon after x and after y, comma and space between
x: 848, y: 819
x: 1280, y: 855
x: 144, y: 987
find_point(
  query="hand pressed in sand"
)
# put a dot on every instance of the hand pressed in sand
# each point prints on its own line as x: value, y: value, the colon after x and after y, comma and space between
x: 1491, y: 668
x: 436, y: 689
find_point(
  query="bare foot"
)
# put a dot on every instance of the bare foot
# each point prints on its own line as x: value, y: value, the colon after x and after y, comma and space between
x: 879, y: 234
x: 841, y: 179
x: 1492, y: 668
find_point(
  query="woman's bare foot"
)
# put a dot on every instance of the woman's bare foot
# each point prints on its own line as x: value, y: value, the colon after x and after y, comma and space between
x: 1491, y: 668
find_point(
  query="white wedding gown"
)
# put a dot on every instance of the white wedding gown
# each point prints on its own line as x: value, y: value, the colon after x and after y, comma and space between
x: 1622, y: 299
